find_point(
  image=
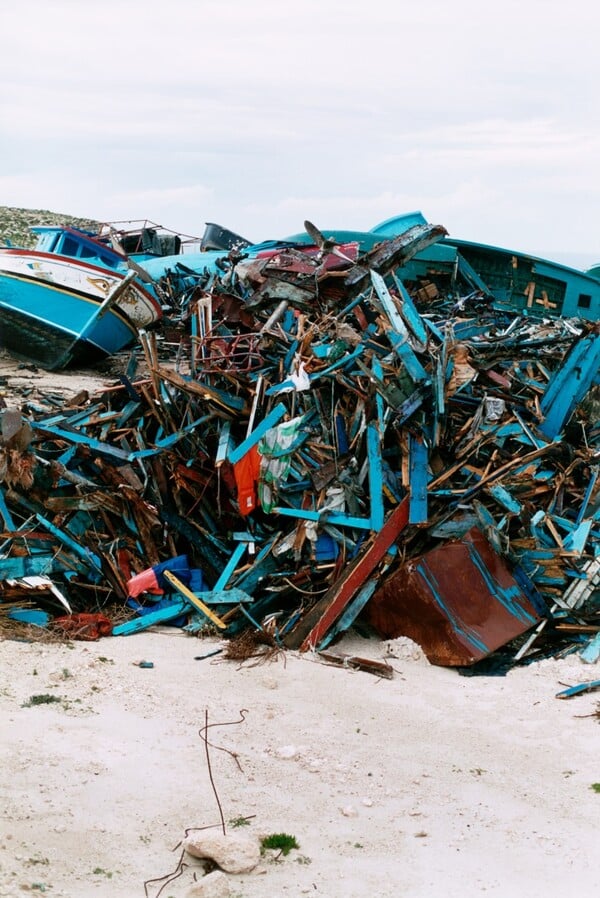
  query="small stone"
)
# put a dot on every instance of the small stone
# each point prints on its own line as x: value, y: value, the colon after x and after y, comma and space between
x: 233, y: 852
x: 287, y: 752
x: 213, y: 885
x: 349, y: 811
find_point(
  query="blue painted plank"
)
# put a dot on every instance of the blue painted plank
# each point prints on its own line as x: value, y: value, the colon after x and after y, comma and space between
x: 418, y: 461
x: 230, y: 567
x: 350, y: 613
x: 337, y: 519
x: 27, y: 565
x: 263, y: 564
x: 171, y: 439
x: 591, y: 652
x: 388, y: 304
x: 410, y: 361
x: 378, y: 372
x: 504, y: 498
x: 229, y: 596
x: 30, y: 616
x: 273, y: 418
x: 588, y: 494
x: 577, y: 539
x: 148, y: 620
x: 9, y: 523
x: 399, y: 336
x: 84, y: 553
x: 580, y: 688
x: 73, y: 436
x: 375, y: 477
x: 224, y: 442
x: 410, y: 314
x: 569, y: 384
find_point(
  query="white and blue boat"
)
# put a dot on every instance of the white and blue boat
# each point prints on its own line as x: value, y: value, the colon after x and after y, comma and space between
x: 71, y: 300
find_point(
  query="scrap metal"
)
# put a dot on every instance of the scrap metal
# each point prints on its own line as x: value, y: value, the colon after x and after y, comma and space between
x: 324, y: 423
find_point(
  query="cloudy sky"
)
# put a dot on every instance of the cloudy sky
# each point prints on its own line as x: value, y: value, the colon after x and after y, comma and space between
x: 257, y: 114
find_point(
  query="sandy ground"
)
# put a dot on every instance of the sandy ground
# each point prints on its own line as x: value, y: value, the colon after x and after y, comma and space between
x: 21, y: 381
x: 428, y: 784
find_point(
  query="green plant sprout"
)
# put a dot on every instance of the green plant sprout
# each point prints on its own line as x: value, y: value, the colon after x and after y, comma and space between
x: 281, y: 842
x: 44, y: 699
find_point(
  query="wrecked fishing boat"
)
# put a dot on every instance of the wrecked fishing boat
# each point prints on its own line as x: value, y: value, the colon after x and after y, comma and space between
x: 71, y: 300
x: 515, y: 282
x: 512, y: 281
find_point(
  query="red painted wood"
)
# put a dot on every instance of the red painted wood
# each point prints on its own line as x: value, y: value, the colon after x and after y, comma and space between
x: 315, y: 624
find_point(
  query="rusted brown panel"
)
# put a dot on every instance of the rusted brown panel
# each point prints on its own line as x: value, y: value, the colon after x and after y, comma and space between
x: 459, y: 602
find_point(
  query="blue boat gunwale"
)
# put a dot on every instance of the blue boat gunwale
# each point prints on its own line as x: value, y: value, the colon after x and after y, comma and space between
x: 538, y: 260
x: 68, y: 291
x: 71, y: 261
x: 71, y: 298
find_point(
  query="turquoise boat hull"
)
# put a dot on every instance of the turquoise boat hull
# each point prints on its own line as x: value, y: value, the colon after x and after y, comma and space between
x: 514, y: 281
x: 72, y: 335
x: 57, y: 311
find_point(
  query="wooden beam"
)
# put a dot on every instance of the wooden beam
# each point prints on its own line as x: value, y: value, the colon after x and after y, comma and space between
x: 379, y: 668
x: 193, y: 599
x: 313, y: 626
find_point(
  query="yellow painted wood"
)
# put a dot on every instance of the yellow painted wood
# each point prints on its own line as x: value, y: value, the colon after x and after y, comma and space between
x: 193, y: 599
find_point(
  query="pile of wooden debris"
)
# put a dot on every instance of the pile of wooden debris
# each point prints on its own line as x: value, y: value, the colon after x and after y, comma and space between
x: 322, y: 442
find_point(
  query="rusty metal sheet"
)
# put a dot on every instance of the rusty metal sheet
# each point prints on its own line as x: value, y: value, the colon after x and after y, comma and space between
x: 459, y: 602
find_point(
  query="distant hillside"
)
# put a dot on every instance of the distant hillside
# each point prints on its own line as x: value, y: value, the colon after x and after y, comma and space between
x: 15, y: 224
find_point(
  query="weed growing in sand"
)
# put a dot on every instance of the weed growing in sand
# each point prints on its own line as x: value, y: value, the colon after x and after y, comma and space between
x: 44, y: 699
x: 281, y: 842
x: 239, y: 821
x: 595, y: 787
x: 98, y: 871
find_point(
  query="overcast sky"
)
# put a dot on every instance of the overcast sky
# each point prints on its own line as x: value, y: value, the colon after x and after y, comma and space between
x: 257, y: 114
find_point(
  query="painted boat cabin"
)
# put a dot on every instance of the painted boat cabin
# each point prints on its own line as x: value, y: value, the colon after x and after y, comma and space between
x: 532, y: 286
x: 75, y: 244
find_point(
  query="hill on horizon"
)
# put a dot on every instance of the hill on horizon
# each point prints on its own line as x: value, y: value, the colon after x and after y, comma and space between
x: 15, y: 224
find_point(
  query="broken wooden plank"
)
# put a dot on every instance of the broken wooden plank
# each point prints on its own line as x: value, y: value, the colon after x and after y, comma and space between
x: 391, y: 254
x: 378, y: 668
x: 145, y: 621
x: 569, y: 384
x: 193, y: 599
x: 351, y: 612
x: 314, y: 625
x: 418, y: 461
x: 273, y: 418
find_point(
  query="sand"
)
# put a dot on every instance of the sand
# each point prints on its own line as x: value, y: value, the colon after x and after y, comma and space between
x: 427, y: 784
